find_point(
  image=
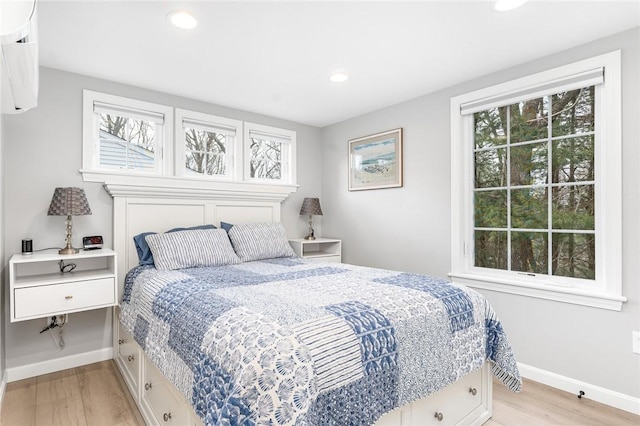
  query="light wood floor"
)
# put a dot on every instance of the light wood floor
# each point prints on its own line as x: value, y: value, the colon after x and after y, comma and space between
x: 95, y: 395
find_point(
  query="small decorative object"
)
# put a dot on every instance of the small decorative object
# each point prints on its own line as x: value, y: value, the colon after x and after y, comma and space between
x: 311, y: 206
x: 27, y: 246
x: 92, y: 243
x: 69, y: 202
x: 376, y: 161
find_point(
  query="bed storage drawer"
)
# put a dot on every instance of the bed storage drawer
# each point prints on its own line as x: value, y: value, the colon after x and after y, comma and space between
x: 129, y: 358
x: 451, y: 404
x: 166, y: 406
x: 462, y: 402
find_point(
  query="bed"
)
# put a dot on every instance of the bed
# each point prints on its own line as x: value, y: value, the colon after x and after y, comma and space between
x: 279, y: 340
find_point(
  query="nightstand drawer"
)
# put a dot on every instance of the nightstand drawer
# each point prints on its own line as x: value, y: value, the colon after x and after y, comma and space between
x: 41, y: 301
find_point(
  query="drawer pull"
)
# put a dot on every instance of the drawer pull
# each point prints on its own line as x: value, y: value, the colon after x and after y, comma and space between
x: 131, y: 358
x: 438, y: 416
x: 473, y: 391
x: 166, y: 417
x: 147, y: 386
x: 122, y: 341
x: 68, y: 297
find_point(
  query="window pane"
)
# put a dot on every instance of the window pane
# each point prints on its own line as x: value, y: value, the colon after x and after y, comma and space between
x: 529, y: 252
x: 529, y: 120
x: 491, y: 249
x: 573, y: 112
x: 573, y: 159
x: 205, y: 152
x: 491, y: 170
x: 127, y: 142
x: 266, y: 159
x: 490, y: 127
x: 529, y: 208
x: 216, y: 164
x: 574, y: 207
x: 263, y: 148
x: 529, y: 164
x: 574, y: 255
x: 491, y: 209
x: 266, y: 170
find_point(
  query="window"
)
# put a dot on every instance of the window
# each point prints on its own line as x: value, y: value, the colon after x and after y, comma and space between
x: 125, y: 134
x: 268, y: 154
x: 206, y: 145
x: 537, y: 215
x: 133, y: 147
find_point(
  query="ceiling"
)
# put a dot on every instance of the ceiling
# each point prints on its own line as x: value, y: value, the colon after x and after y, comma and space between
x: 275, y: 58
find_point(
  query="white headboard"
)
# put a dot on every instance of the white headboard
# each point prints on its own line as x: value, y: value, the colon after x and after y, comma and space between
x: 133, y: 215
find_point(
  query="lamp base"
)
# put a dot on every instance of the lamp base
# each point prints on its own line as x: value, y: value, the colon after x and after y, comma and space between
x: 309, y: 237
x: 68, y: 250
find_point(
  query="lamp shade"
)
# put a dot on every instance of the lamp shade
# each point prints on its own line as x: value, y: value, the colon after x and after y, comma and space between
x: 69, y: 202
x: 311, y: 206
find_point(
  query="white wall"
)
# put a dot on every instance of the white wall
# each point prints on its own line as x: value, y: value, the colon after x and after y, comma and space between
x: 408, y: 228
x: 3, y: 269
x: 43, y: 150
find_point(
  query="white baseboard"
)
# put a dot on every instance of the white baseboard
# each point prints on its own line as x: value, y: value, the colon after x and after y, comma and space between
x: 58, y: 364
x: 593, y: 392
x: 3, y: 388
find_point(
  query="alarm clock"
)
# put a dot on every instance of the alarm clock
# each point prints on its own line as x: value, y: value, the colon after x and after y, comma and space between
x: 92, y: 243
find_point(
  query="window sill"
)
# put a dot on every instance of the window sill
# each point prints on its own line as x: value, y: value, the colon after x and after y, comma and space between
x: 120, y: 184
x: 559, y: 294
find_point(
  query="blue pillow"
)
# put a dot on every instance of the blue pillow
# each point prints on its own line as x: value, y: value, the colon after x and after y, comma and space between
x: 226, y: 226
x: 145, y: 256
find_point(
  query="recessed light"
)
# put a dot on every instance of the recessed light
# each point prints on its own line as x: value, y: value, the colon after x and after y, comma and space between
x: 182, y: 19
x: 339, y: 77
x: 504, y: 5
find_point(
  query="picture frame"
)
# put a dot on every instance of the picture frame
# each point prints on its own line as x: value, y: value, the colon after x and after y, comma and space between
x: 375, y: 161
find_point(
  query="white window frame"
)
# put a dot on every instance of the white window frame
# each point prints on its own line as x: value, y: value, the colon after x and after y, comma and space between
x: 210, y: 123
x: 169, y: 177
x: 606, y: 290
x: 288, y: 140
x: 91, y: 131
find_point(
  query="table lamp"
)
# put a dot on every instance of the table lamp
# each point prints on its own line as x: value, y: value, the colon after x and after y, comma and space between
x: 69, y: 202
x: 311, y: 206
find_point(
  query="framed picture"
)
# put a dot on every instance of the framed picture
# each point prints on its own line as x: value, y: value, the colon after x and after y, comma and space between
x: 375, y: 161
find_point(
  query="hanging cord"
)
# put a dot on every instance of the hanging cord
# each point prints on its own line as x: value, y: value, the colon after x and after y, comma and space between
x: 68, y: 267
x: 59, y: 342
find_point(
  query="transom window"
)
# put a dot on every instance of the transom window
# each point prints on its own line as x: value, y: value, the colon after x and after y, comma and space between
x: 126, y: 142
x: 124, y: 134
x: 536, y: 185
x: 207, y: 145
x: 139, y: 144
x: 270, y: 152
x: 206, y: 152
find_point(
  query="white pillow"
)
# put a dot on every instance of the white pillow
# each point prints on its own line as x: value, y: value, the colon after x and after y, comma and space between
x: 255, y: 241
x: 192, y: 248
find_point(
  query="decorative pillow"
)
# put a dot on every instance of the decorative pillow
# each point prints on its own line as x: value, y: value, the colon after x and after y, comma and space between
x: 188, y: 249
x: 145, y: 256
x: 226, y: 226
x: 257, y: 241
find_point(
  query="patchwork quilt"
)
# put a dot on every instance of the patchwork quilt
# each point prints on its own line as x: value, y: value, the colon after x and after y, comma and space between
x: 290, y: 342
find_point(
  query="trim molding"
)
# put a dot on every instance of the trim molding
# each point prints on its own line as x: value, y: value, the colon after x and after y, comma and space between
x: 593, y: 392
x: 123, y: 185
x: 45, y: 367
x: 572, y: 295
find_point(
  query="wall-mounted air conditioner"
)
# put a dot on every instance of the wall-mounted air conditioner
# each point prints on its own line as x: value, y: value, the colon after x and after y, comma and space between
x: 18, y: 56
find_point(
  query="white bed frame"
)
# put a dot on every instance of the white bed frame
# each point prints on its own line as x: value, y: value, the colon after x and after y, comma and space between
x: 466, y: 402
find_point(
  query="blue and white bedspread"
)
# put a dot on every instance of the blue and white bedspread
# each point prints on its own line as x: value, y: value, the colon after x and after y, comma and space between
x: 286, y: 341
